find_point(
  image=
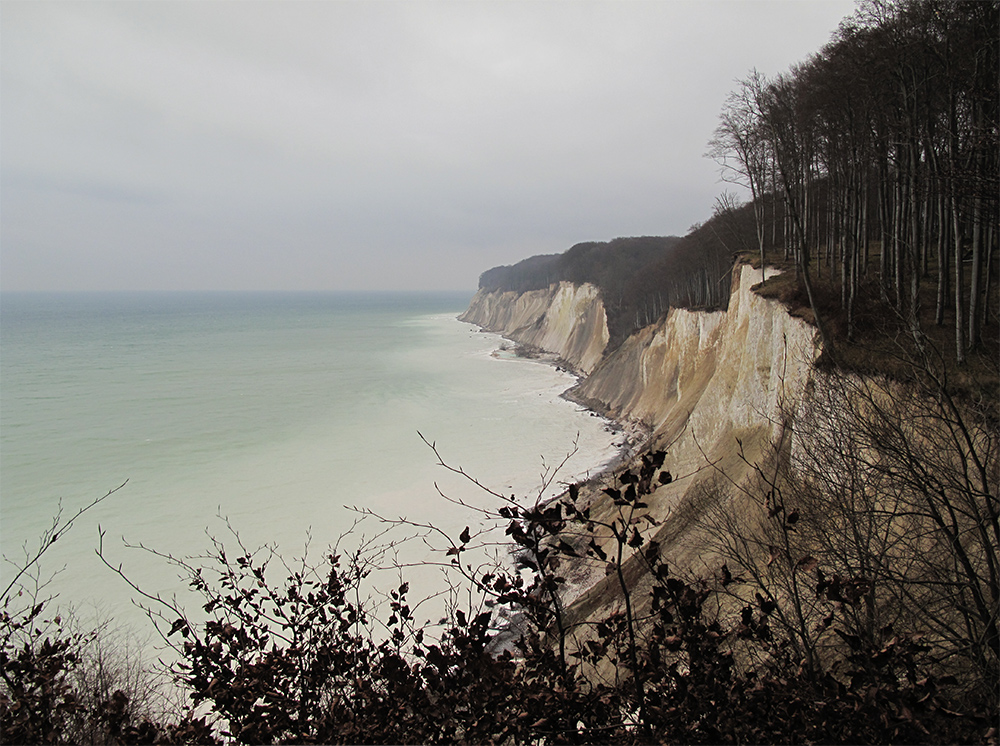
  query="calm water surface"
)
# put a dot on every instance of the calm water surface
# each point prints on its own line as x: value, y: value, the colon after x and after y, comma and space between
x: 272, y: 411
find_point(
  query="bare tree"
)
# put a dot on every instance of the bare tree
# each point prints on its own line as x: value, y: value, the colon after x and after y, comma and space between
x: 740, y: 146
x: 889, y: 492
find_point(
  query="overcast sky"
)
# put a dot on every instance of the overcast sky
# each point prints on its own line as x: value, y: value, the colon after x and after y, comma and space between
x: 361, y: 145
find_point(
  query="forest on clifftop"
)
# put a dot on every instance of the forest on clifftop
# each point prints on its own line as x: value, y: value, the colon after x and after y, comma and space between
x: 872, y: 169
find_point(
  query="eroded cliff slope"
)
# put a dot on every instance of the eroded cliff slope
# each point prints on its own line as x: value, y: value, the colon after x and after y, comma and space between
x: 712, y: 388
x: 565, y: 319
x: 699, y: 379
x: 710, y: 373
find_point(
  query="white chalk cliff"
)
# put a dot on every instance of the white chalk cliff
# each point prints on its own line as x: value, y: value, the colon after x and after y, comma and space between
x: 711, y: 374
x: 700, y: 379
x: 565, y: 319
x: 712, y: 387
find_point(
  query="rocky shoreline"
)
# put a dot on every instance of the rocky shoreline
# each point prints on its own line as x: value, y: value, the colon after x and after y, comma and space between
x: 631, y: 437
x: 709, y: 387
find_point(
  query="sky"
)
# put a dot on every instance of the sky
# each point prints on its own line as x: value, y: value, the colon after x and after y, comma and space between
x: 349, y: 145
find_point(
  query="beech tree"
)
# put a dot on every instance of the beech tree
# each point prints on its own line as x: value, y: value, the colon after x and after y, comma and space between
x: 886, y: 140
x: 740, y: 146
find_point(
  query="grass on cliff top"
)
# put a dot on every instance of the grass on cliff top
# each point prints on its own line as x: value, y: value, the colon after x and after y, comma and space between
x: 882, y: 343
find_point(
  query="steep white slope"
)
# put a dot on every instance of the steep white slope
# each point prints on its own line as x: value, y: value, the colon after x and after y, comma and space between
x: 700, y: 379
x: 565, y: 319
x: 712, y: 387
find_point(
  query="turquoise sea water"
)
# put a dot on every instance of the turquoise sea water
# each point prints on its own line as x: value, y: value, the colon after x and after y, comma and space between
x: 274, y: 411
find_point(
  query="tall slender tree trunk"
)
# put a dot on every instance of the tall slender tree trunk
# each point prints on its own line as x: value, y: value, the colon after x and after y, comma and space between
x: 844, y: 260
x: 956, y: 220
x: 802, y: 265
x: 865, y: 236
x: 988, y: 280
x: 959, y: 301
x: 898, y: 221
x: 786, y: 228
x: 758, y: 214
x: 942, y: 262
x: 975, y: 283
x: 884, y: 216
x: 916, y: 247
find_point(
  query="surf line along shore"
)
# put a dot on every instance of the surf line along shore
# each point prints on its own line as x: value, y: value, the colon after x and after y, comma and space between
x: 630, y: 437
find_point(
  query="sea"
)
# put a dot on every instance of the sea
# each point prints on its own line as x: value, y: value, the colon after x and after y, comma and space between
x: 246, y: 420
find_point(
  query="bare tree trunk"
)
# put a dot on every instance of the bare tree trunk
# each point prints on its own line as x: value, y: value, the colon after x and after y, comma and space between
x: 988, y: 280
x: 942, y: 261
x: 959, y: 301
x: 864, y: 237
x: 844, y: 261
x: 884, y: 215
x: 975, y: 284
x: 916, y: 248
x: 898, y: 221
x: 802, y: 252
x: 787, y: 228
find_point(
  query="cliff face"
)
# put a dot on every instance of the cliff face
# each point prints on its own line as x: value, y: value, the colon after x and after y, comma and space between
x: 698, y: 379
x: 713, y: 388
x: 565, y: 319
x: 708, y: 373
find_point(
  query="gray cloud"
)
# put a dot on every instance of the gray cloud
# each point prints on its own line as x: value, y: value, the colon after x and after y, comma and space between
x: 328, y: 145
